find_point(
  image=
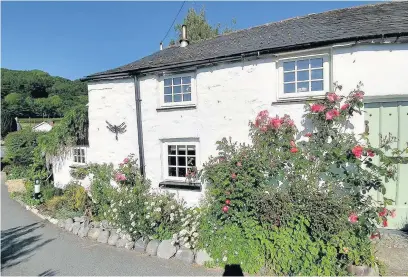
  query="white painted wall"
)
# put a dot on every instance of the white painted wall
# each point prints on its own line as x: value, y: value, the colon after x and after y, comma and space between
x: 42, y: 127
x: 228, y: 96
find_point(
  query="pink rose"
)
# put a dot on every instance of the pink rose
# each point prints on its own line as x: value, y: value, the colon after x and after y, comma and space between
x: 292, y: 143
x: 359, y: 95
x: 308, y: 135
x: 357, y: 151
x: 275, y: 122
x: 126, y: 160
x: 316, y: 108
x: 239, y: 164
x: 345, y: 107
x: 234, y: 176
x: 332, y: 114
x: 294, y: 150
x: 120, y: 177
x: 353, y: 218
x: 332, y: 97
x: 263, y: 113
x: 393, y: 213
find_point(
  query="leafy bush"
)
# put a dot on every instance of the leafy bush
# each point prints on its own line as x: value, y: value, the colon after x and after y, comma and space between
x: 16, y: 172
x: 55, y: 203
x: 313, y: 194
x: 20, y: 147
x: 76, y: 197
x: 188, y: 236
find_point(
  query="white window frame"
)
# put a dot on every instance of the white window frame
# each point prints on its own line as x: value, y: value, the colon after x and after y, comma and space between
x: 84, y: 148
x: 193, y: 101
x: 302, y: 95
x: 165, y: 160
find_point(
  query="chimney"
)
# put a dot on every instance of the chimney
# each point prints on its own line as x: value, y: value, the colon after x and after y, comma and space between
x: 161, y: 45
x: 183, y: 40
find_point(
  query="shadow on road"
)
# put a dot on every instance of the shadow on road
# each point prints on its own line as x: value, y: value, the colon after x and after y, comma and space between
x: 18, y: 244
x: 48, y: 272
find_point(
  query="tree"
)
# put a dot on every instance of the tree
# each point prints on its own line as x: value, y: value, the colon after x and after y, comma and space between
x: 13, y: 98
x: 198, y: 28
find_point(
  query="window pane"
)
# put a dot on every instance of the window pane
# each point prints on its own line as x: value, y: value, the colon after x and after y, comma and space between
x: 191, y: 161
x: 75, y: 159
x: 76, y: 151
x: 289, y: 77
x: 191, y: 150
x: 316, y: 62
x: 176, y: 81
x: 187, y: 97
x: 181, y: 172
x: 177, y: 89
x: 167, y: 90
x: 317, y: 74
x: 186, y: 80
x: 317, y: 85
x: 172, y: 160
x: 302, y: 64
x: 172, y: 171
x: 303, y: 75
x: 288, y: 66
x: 177, y: 98
x: 303, y: 86
x: 187, y: 88
x: 172, y: 150
x: 181, y: 160
x: 289, y: 88
x: 181, y: 150
x: 83, y: 152
x: 167, y: 82
x: 83, y: 160
x: 167, y: 99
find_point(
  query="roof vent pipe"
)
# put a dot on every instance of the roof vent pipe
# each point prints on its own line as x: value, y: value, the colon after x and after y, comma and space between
x: 161, y: 45
x: 183, y: 40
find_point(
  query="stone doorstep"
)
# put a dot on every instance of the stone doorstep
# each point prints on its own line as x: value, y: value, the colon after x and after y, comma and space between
x: 55, y: 221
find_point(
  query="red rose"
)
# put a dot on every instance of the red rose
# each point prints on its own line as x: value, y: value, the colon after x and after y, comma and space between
x: 385, y: 223
x: 345, y: 106
x: 225, y: 209
x: 316, y: 108
x: 294, y: 150
x: 357, y: 151
x: 234, y: 176
x: 333, y: 97
x: 353, y: 218
x: 373, y: 236
x: 308, y: 135
x: 370, y: 153
x: 332, y: 114
x: 275, y: 122
x: 383, y: 212
x: 227, y: 201
x: 358, y: 95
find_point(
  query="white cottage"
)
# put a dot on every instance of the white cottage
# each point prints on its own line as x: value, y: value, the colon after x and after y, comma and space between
x: 179, y: 101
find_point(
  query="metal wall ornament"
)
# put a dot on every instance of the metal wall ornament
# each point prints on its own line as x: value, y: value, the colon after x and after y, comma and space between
x: 116, y: 129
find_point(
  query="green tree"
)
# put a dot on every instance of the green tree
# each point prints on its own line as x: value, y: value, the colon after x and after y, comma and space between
x: 14, y: 98
x: 198, y: 27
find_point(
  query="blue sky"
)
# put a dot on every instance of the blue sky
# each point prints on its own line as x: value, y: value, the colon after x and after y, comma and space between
x: 75, y: 39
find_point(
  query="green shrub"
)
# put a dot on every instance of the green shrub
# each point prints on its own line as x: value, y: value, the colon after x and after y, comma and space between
x: 16, y: 172
x: 20, y: 147
x: 76, y: 197
x: 55, y: 203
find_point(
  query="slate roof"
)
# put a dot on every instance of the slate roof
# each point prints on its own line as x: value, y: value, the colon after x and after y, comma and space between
x: 349, y: 24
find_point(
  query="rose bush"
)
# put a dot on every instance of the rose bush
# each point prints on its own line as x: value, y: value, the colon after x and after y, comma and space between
x: 326, y: 179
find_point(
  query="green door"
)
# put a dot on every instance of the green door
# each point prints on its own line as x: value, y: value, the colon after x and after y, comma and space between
x: 384, y: 118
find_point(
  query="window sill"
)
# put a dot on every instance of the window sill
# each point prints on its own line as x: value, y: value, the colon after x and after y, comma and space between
x: 177, y: 107
x: 181, y: 185
x: 298, y: 99
x: 78, y: 166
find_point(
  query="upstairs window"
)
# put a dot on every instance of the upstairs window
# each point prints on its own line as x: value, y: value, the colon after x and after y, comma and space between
x: 177, y: 89
x: 79, y: 154
x: 304, y: 76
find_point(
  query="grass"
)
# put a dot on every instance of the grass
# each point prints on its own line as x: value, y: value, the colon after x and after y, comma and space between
x: 27, y: 123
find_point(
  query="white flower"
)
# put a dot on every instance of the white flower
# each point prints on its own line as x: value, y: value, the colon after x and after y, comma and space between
x: 129, y: 202
x: 185, y: 239
x: 112, y: 205
x: 115, y: 210
x: 146, y: 203
x: 133, y: 224
x: 160, y: 201
x: 147, y: 216
x: 173, y: 242
x: 152, y: 204
x: 171, y: 214
x: 172, y: 207
x: 153, y: 224
x: 157, y: 209
x: 187, y: 245
x: 104, y: 213
x: 267, y: 192
x: 131, y: 229
x: 148, y: 208
x: 195, y: 212
x: 182, y: 232
x: 195, y: 234
x: 174, y: 236
x: 118, y: 231
x: 224, y: 258
x: 171, y: 218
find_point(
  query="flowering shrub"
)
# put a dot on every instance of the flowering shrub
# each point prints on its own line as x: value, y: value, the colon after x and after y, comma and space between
x: 325, y: 180
x: 188, y: 235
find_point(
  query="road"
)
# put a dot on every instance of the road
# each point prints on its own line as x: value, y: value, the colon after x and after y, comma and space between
x: 31, y: 246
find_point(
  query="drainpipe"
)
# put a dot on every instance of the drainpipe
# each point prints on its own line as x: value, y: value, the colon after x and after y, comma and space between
x: 139, y: 126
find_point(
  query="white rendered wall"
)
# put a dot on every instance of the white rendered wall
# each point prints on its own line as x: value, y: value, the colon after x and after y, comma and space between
x: 228, y: 96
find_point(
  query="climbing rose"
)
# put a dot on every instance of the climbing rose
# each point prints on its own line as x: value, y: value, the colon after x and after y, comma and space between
x: 357, y: 151
x: 345, y: 106
x: 316, y: 108
x: 308, y: 135
x: 393, y: 213
x: 275, y: 122
x: 332, y: 114
x: 370, y: 153
x: 373, y: 236
x: 227, y: 201
x: 385, y: 223
x: 359, y: 95
x: 353, y: 218
x: 263, y: 113
x: 239, y: 164
x: 290, y: 122
x: 294, y: 150
x: 225, y: 209
x: 126, y: 160
x: 292, y: 143
x: 120, y: 177
x: 234, y: 176
x: 383, y: 212
x: 264, y: 128
x: 332, y: 97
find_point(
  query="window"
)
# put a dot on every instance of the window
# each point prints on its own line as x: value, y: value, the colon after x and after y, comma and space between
x: 177, y: 89
x: 79, y: 154
x: 180, y: 159
x: 304, y: 76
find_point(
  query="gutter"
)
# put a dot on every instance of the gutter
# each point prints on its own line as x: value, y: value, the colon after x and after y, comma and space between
x: 139, y: 125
